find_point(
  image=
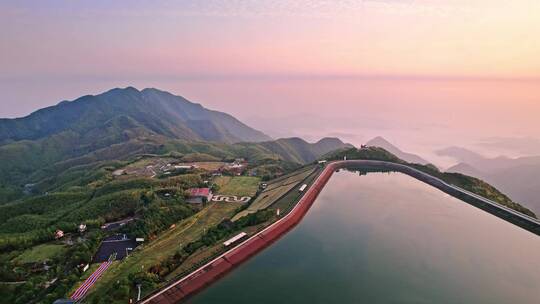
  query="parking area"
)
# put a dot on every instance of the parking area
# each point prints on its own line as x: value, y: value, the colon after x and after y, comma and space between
x: 119, y: 244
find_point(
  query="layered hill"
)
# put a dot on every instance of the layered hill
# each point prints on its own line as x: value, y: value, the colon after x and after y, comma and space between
x: 298, y: 150
x: 112, y: 125
x: 58, y: 169
x: 516, y: 176
x: 385, y: 144
x: 149, y: 112
x: 67, y: 141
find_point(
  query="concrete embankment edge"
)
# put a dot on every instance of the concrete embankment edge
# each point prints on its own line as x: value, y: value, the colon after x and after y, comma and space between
x: 526, y: 222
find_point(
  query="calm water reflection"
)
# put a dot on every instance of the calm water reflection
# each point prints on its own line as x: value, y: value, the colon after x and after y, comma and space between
x: 388, y: 238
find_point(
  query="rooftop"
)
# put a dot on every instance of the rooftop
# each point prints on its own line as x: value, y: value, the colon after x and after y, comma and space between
x: 199, y: 192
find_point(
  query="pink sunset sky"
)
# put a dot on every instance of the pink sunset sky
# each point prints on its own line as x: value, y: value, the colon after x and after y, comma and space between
x: 424, y: 74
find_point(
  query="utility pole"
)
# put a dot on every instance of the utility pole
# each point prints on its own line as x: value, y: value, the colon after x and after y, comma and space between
x: 139, y: 294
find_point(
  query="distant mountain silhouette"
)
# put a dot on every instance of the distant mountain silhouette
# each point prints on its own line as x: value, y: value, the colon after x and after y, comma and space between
x: 522, y: 145
x: 408, y: 157
x: 148, y: 112
x: 485, y: 164
x: 298, y: 150
x: 518, y: 177
x: 466, y: 169
x: 461, y: 154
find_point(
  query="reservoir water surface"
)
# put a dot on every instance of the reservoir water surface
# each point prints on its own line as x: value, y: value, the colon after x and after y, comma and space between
x: 389, y: 238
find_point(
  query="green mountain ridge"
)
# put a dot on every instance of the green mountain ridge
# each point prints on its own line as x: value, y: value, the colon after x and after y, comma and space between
x: 72, y: 181
x: 290, y: 150
x: 298, y: 150
x: 157, y: 112
x: 72, y: 190
x: 518, y: 177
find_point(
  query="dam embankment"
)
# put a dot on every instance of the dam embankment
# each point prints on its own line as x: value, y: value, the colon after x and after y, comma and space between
x: 224, y: 263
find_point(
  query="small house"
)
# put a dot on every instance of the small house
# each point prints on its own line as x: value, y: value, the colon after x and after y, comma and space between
x: 59, y: 234
x: 82, y: 228
x: 235, y: 168
x: 199, y: 195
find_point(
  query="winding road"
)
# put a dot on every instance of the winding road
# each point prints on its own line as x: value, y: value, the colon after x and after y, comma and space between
x: 230, y: 198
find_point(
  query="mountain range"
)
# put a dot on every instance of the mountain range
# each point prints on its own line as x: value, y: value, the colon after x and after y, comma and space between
x: 145, y: 112
x: 518, y: 177
x: 297, y: 150
x: 45, y: 146
x: 63, y: 145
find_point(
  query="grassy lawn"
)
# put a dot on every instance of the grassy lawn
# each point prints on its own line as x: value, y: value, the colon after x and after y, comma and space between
x: 166, y: 245
x: 87, y: 273
x: 208, y: 166
x: 206, y: 253
x: 203, y: 254
x: 275, y: 190
x: 149, y: 161
x: 287, y: 202
x: 293, y: 177
x: 41, y: 253
x: 237, y: 185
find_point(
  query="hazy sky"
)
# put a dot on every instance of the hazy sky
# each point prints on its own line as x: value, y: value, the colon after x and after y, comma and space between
x: 424, y: 73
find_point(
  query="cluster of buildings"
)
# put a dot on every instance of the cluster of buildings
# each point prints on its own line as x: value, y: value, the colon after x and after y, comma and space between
x: 237, y: 167
x: 60, y: 234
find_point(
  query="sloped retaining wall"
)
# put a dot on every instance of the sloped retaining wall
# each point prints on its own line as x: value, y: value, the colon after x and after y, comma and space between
x: 212, y: 271
x: 524, y: 221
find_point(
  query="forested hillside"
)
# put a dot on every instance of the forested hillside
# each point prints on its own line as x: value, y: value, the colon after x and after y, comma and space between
x: 150, y: 112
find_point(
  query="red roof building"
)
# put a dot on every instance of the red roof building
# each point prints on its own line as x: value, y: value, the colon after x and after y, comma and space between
x: 199, y: 192
x: 199, y: 195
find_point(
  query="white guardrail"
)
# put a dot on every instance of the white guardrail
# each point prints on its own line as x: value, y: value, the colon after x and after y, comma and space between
x: 466, y: 192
